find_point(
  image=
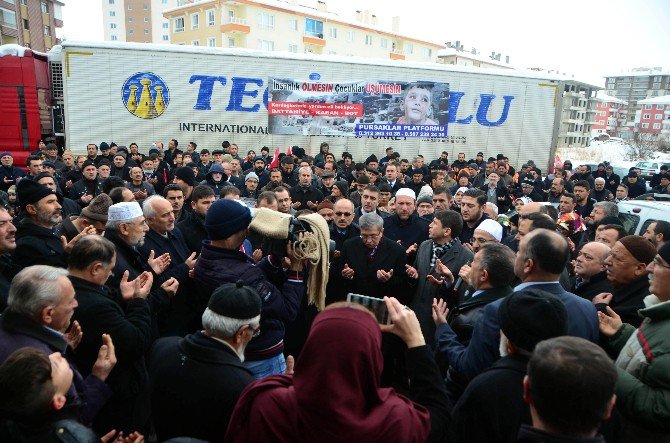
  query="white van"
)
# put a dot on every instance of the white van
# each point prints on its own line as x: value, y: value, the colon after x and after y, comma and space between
x: 637, y: 215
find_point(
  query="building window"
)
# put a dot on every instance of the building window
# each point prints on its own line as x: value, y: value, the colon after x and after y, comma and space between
x: 112, y: 25
x: 266, y: 21
x: 195, y: 21
x: 113, y: 38
x: 658, y: 116
x: 350, y: 36
x: 130, y: 7
x: 368, y: 40
x: 332, y: 32
x: 164, y: 2
x: 166, y: 38
x: 26, y: 24
x: 660, y: 107
x: 266, y: 45
x: 45, y: 8
x: 313, y: 28
x: 427, y: 52
x: 646, y: 116
x: 146, y: 19
x: 384, y: 42
x: 131, y: 31
x: 166, y: 26
x: 645, y: 125
x: 25, y: 2
x: 211, y: 17
x: 47, y: 31
x: 657, y: 126
x: 130, y: 19
x: 293, y: 25
x: 146, y: 31
x: 647, y: 106
x: 145, y: 6
x: 292, y: 48
x: 179, y: 24
x: 211, y: 42
x: 195, y: 43
x: 231, y: 42
x: 410, y: 48
x: 112, y: 14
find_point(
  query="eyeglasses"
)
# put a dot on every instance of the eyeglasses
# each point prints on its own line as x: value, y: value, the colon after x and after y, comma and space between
x: 345, y: 214
x: 657, y: 262
x: 370, y: 236
x: 479, y: 240
x: 255, y: 332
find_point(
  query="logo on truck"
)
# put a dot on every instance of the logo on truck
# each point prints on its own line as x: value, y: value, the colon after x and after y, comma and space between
x: 145, y: 95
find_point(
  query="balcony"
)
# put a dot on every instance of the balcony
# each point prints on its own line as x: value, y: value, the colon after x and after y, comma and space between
x: 396, y: 54
x: 591, y: 110
x: 577, y: 108
x: 236, y: 25
x: 313, y: 38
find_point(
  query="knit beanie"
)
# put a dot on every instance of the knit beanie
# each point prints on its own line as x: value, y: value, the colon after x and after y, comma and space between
x: 104, y: 146
x: 343, y: 186
x: 88, y: 163
x: 30, y: 192
x: 226, y: 217
x: 530, y: 316
x: 640, y: 248
x: 185, y: 174
x: 251, y: 175
x: 98, y: 207
x: 424, y: 199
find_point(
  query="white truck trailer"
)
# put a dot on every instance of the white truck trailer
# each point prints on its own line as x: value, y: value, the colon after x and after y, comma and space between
x: 208, y: 95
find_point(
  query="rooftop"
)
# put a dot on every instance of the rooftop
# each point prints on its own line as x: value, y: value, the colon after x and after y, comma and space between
x: 602, y: 97
x: 446, y: 52
x: 293, y: 6
x: 663, y: 100
x: 640, y: 72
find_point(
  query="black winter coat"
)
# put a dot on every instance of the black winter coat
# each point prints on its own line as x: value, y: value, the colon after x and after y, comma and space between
x: 128, y: 410
x: 80, y: 188
x: 463, y: 317
x: 414, y: 230
x: 195, y: 384
x: 492, y: 407
x: 597, y: 284
x: 36, y: 245
x: 304, y: 195
x: 193, y: 231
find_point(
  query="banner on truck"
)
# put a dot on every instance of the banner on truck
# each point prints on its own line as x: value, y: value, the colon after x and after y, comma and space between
x: 378, y: 109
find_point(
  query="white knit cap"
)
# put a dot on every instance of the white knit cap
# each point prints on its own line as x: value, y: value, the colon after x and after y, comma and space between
x: 405, y: 192
x: 124, y: 211
x: 462, y: 189
x: 492, y: 227
x: 425, y: 190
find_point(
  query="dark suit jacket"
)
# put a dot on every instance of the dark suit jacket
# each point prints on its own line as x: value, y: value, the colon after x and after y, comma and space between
x: 389, y: 256
x: 463, y: 317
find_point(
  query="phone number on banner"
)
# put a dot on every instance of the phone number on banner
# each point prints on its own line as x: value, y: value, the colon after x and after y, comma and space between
x: 380, y: 130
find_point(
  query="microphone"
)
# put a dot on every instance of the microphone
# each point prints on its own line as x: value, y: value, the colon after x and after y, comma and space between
x: 459, y: 281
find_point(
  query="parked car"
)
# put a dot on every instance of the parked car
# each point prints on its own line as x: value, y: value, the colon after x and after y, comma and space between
x: 650, y: 168
x: 637, y: 215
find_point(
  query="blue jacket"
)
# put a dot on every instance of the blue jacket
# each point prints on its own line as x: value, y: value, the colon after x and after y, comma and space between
x: 281, y: 293
x: 482, y: 351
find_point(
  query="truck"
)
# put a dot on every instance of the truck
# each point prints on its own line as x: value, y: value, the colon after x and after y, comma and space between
x: 208, y: 95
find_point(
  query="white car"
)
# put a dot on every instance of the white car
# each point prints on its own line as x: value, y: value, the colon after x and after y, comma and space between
x: 637, y: 215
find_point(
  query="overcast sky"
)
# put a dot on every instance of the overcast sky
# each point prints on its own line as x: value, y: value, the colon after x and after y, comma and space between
x: 587, y: 38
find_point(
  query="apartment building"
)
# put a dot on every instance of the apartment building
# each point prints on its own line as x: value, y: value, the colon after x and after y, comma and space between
x: 638, y: 84
x: 654, y: 116
x: 577, y: 115
x: 274, y: 25
x: 139, y: 21
x: 610, y: 116
x: 30, y: 23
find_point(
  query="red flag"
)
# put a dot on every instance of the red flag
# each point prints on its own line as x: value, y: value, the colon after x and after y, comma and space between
x: 288, y: 151
x: 275, y: 160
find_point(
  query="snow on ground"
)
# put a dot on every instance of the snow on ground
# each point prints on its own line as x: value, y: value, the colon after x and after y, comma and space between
x: 613, y: 151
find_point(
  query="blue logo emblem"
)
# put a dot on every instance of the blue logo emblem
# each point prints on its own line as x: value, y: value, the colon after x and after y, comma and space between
x: 314, y: 76
x: 145, y: 95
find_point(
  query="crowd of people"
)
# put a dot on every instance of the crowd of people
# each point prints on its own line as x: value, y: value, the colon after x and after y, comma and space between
x: 137, y: 304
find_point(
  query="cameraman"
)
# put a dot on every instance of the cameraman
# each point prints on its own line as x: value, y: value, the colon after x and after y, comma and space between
x: 221, y: 261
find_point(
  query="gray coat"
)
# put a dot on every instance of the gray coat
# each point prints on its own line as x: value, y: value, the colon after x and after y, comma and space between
x: 422, y: 302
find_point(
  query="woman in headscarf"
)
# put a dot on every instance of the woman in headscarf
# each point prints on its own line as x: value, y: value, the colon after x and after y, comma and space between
x: 334, y: 394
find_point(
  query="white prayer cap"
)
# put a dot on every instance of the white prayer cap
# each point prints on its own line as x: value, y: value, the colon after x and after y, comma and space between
x: 124, y: 211
x: 492, y: 227
x: 405, y: 192
x: 462, y: 189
